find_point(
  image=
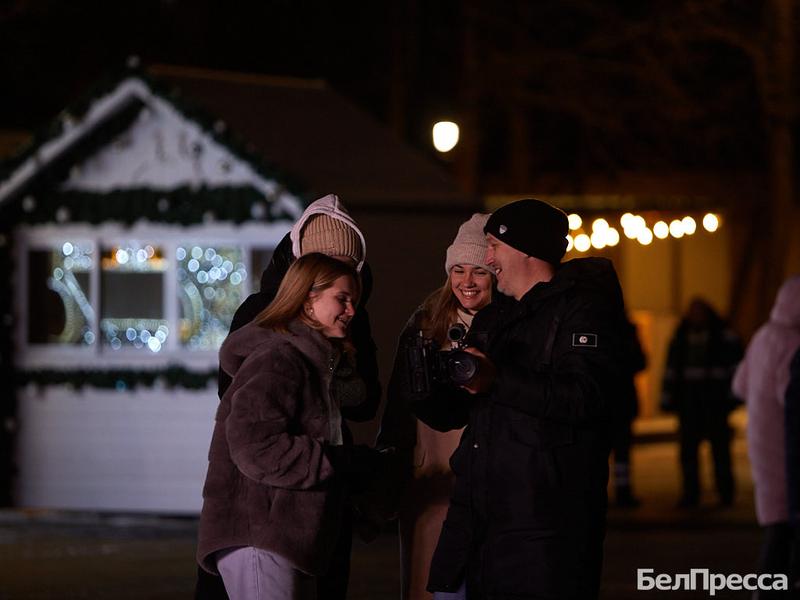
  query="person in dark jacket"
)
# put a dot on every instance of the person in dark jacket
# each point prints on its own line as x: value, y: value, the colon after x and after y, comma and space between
x: 527, y: 515
x: 701, y: 361
x: 300, y: 241
x: 622, y: 420
x: 324, y: 226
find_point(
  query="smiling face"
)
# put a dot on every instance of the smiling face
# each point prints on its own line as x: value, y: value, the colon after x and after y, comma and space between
x: 471, y: 285
x: 516, y: 272
x: 510, y: 266
x: 333, y: 307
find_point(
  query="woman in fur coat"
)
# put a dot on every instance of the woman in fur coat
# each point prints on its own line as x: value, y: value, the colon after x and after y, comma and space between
x: 278, y: 472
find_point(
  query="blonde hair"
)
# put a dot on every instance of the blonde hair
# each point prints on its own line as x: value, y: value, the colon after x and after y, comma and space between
x: 307, y: 276
x: 440, y: 311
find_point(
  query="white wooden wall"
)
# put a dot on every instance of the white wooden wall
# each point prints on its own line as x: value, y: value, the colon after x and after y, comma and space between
x: 143, y: 450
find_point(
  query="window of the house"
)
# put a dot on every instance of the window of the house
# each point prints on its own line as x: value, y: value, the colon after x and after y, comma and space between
x: 146, y: 297
x: 59, y: 295
x: 132, y: 297
x: 212, y: 282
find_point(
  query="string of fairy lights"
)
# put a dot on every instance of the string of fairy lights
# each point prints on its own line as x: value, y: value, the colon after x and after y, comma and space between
x: 603, y: 234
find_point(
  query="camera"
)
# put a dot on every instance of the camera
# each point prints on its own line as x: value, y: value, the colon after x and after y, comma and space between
x: 430, y: 366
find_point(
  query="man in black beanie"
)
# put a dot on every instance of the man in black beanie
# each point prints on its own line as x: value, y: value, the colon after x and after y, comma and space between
x: 527, y: 516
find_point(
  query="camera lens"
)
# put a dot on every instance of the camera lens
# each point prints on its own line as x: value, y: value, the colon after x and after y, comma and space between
x: 461, y: 367
x: 457, y: 332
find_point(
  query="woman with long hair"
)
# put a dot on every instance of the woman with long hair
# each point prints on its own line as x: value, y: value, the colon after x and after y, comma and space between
x: 326, y: 227
x: 278, y: 473
x: 423, y: 474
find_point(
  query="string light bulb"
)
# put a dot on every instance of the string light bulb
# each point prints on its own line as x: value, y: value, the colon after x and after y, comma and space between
x: 711, y: 222
x: 645, y: 236
x: 582, y: 242
x: 598, y: 239
x: 626, y: 220
x: 600, y: 226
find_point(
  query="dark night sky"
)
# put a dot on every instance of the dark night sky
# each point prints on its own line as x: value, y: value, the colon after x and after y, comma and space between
x: 50, y: 51
x: 616, y: 85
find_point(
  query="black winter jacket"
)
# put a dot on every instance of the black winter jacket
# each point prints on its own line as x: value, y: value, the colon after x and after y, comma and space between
x: 361, y: 333
x: 527, y: 516
x: 696, y: 398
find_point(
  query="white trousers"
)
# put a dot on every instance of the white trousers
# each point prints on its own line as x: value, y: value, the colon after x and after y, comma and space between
x: 459, y: 594
x: 254, y: 574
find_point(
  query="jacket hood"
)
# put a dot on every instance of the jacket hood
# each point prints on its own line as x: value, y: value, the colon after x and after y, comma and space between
x: 331, y: 206
x: 786, y: 309
x: 282, y: 258
x: 593, y: 273
x: 244, y: 341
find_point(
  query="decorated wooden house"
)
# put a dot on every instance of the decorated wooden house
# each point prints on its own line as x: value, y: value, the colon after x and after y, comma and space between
x: 130, y: 231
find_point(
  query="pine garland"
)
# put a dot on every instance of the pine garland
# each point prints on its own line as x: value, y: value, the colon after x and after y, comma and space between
x: 184, y: 206
x: 173, y: 376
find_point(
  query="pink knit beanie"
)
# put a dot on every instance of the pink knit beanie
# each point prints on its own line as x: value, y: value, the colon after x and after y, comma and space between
x: 469, y: 247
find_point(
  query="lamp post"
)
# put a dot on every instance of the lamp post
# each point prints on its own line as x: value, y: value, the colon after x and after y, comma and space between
x: 445, y: 136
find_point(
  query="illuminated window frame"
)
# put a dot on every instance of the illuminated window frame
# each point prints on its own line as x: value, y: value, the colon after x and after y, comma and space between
x: 49, y: 237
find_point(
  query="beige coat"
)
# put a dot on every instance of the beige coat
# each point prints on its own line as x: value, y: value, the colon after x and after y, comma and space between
x: 428, y: 478
x: 424, y: 506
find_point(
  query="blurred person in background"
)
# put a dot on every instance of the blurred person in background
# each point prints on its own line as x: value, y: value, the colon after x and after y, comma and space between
x: 625, y: 411
x: 326, y: 227
x: 423, y: 480
x: 702, y: 357
x: 762, y: 381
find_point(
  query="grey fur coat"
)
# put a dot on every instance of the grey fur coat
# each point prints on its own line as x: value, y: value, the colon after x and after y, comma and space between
x: 269, y: 483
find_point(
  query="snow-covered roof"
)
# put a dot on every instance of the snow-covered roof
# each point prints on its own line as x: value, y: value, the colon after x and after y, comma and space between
x: 133, y: 140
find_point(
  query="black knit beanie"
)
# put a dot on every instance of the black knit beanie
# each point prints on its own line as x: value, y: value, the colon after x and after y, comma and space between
x: 533, y: 227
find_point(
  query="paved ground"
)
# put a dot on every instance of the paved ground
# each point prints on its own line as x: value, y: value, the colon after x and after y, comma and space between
x: 46, y: 555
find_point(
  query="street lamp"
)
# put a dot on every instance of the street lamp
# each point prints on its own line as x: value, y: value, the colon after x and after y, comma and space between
x: 445, y: 136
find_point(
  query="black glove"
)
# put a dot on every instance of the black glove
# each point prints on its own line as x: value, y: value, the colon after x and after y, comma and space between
x: 356, y: 465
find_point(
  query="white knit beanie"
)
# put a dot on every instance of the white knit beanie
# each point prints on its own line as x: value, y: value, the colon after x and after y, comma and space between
x: 469, y: 247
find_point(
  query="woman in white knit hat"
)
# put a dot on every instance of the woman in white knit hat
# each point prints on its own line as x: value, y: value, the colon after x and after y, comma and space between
x: 424, y: 476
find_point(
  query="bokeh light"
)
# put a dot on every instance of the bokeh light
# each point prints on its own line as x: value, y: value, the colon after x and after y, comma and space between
x: 445, y: 136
